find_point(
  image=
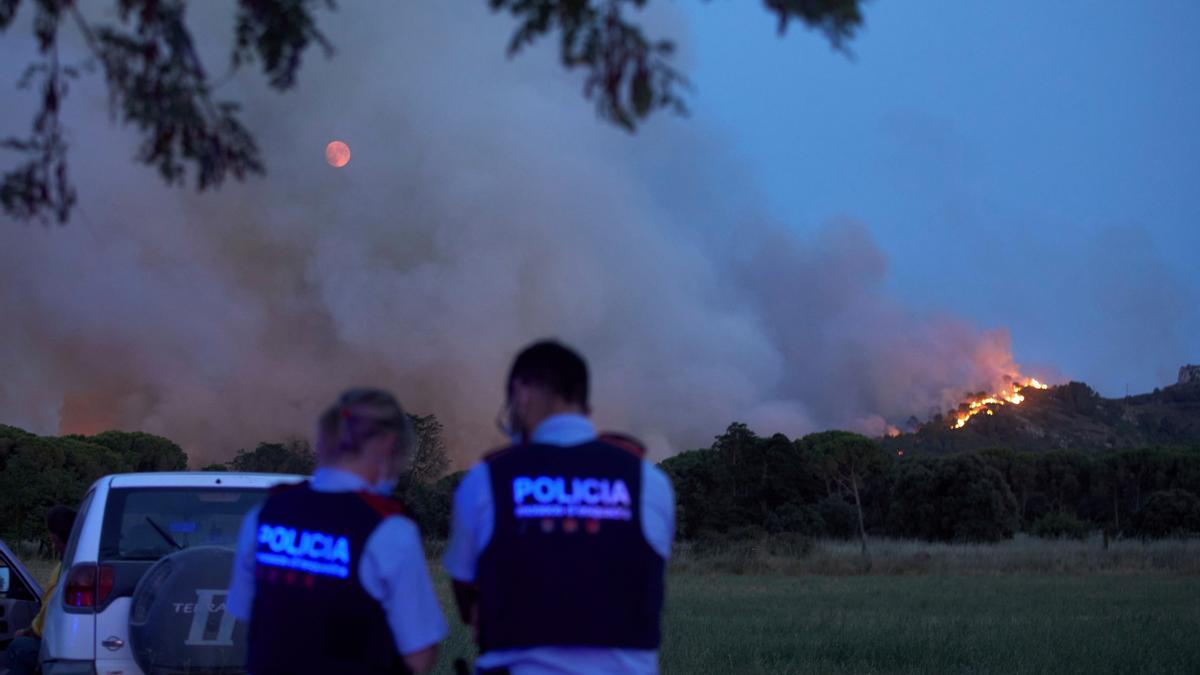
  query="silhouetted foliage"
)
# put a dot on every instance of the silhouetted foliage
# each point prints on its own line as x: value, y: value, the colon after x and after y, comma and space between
x: 292, y: 457
x: 839, y: 518
x: 1060, y: 526
x: 38, y: 472
x: 429, y: 461
x: 702, y: 499
x: 745, y: 488
x: 959, y: 498
x: 144, y: 452
x: 430, y: 504
x: 628, y: 74
x: 776, y: 485
x: 1170, y: 513
x: 849, y: 460
x: 157, y: 83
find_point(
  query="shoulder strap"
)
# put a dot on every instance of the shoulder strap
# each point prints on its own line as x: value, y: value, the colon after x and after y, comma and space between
x: 384, y: 506
x: 625, y: 442
x: 281, y: 488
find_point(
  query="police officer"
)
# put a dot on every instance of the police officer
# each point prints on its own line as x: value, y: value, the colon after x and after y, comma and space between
x: 329, y: 573
x: 559, y: 541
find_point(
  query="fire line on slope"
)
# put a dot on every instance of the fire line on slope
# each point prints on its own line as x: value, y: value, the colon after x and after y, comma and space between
x: 988, y: 402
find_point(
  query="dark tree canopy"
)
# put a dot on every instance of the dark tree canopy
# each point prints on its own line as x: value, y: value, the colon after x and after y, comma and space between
x: 294, y: 456
x: 157, y: 83
x: 37, y: 472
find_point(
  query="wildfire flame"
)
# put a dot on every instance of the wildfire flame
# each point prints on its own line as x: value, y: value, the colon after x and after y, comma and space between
x: 985, y: 404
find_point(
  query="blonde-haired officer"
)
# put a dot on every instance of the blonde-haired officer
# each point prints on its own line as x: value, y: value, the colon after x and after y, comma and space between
x: 330, y: 573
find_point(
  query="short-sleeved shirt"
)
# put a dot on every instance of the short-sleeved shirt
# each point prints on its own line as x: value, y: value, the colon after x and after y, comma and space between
x: 471, y: 530
x: 392, y: 570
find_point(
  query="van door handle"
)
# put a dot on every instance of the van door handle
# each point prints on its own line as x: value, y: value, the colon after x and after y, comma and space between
x: 113, y: 643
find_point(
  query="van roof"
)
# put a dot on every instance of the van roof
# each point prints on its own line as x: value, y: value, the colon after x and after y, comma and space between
x: 211, y: 479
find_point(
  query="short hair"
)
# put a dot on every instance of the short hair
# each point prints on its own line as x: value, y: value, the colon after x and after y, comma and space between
x: 59, y: 520
x: 554, y: 366
x: 358, y: 416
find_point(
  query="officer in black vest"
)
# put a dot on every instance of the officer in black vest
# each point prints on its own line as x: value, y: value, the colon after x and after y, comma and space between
x: 559, y: 541
x: 329, y: 572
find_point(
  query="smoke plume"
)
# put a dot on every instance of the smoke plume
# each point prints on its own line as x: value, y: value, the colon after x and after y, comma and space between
x: 484, y: 207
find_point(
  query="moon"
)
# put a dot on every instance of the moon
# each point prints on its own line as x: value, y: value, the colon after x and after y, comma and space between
x: 337, y: 154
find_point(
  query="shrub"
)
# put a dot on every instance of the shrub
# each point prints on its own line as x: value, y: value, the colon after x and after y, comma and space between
x: 795, y: 518
x: 1060, y: 526
x: 838, y: 517
x: 1169, y: 513
x: 958, y: 498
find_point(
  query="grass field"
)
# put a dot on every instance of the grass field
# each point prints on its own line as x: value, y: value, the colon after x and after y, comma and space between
x: 1022, y: 606
x: 1025, y: 606
x: 924, y: 624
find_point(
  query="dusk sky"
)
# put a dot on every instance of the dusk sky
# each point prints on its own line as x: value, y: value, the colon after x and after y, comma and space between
x: 1034, y: 165
x: 827, y: 241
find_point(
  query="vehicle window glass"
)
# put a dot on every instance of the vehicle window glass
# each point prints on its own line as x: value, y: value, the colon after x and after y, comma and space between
x: 73, y: 540
x: 11, y: 586
x: 149, y: 523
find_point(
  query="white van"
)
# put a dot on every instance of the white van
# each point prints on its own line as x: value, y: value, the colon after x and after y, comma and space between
x: 145, y: 575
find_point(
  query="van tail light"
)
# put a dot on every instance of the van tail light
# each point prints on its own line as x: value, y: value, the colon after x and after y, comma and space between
x: 88, y: 585
x: 104, y: 584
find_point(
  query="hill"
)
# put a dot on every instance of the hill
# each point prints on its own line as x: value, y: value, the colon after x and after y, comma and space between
x: 1071, y: 416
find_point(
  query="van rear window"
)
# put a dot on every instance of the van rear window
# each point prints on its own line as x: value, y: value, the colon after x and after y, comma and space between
x: 149, y: 523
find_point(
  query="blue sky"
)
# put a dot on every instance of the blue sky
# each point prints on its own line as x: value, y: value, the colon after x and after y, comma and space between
x: 1028, y: 165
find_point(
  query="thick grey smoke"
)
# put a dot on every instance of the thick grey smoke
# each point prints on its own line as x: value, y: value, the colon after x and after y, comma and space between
x: 484, y: 206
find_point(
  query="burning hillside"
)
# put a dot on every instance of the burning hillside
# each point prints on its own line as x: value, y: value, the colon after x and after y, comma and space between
x: 1028, y: 415
x: 985, y: 403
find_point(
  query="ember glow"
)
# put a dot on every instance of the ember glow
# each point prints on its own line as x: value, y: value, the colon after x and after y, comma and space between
x: 987, y: 403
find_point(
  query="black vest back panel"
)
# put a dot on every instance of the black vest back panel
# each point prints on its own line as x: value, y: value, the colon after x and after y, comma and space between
x: 310, y: 612
x: 568, y: 563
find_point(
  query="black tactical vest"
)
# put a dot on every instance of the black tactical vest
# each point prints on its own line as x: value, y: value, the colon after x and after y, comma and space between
x: 568, y: 564
x: 310, y: 612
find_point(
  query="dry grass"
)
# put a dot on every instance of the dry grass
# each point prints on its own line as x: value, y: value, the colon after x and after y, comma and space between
x: 1022, y: 555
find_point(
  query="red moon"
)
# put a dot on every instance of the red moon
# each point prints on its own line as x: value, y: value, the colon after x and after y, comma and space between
x: 337, y: 154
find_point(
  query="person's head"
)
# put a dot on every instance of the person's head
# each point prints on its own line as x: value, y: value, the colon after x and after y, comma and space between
x: 547, y: 378
x: 367, y: 433
x: 59, y: 521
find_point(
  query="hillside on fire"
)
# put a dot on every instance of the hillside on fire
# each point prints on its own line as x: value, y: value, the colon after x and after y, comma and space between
x: 1069, y: 416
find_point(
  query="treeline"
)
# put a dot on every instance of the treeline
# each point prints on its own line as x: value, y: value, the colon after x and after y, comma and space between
x: 828, y: 484
x: 37, y: 472
x: 840, y: 484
